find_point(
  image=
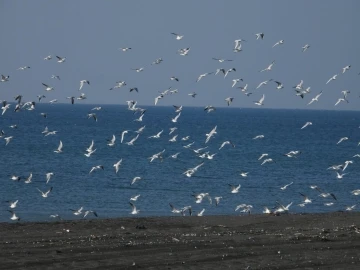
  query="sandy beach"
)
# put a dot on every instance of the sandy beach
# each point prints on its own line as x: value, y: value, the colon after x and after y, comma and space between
x: 310, y: 241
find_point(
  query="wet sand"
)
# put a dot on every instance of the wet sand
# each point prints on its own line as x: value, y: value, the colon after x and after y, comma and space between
x: 311, y: 241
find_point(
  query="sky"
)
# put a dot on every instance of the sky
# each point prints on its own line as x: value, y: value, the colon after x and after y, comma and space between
x: 89, y: 34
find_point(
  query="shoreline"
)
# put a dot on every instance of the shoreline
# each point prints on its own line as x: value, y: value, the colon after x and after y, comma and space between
x: 323, y: 241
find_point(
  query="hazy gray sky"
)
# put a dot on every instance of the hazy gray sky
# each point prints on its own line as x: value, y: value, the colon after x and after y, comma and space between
x: 89, y: 33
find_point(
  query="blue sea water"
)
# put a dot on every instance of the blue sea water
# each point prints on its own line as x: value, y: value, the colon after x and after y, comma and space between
x: 163, y: 182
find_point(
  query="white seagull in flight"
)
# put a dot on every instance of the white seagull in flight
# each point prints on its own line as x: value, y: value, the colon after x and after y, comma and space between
x: 261, y: 101
x: 134, y: 210
x: 332, y: 78
x: 203, y: 75
x: 209, y: 135
x: 82, y: 82
x: 235, y: 189
x: 178, y: 37
x: 45, y: 194
x: 280, y: 42
x: 316, y: 98
x: 117, y: 165
x: 269, y: 67
x: 306, y: 124
x: 59, y: 149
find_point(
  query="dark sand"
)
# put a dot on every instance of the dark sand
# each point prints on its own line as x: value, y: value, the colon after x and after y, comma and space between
x: 320, y: 241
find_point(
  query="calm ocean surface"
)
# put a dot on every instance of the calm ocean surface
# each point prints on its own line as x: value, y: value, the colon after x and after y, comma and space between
x: 162, y: 183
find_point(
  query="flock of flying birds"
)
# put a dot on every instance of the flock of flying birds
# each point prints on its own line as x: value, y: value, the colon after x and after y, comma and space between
x: 299, y: 90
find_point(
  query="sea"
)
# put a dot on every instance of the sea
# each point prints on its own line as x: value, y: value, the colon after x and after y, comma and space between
x: 163, y: 181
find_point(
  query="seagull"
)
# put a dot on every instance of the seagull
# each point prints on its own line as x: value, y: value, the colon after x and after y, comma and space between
x: 60, y: 59
x: 201, y: 213
x: 55, y: 77
x: 40, y: 97
x: 342, y: 139
x: 88, y: 212
x: 178, y: 108
x: 92, y: 115
x: 174, y: 156
x: 225, y: 143
x: 173, y: 78
x: 82, y: 82
x: 340, y: 100
x: 134, y: 198
x: 258, y: 137
x: 262, y: 156
x: 140, y: 118
x: 279, y: 85
x: 347, y: 164
x: 228, y: 71
x: 299, y: 86
x: 175, y: 210
x: 209, y: 108
x: 15, y: 178
x: 28, y: 180
x: 112, y: 141
x: 140, y: 130
x: 119, y: 84
x: 316, y: 98
x: 306, y: 124
x: 263, y: 83
x: 23, y: 68
x: 221, y: 60
x: 235, y: 189
x: 193, y: 94
x: 229, y: 100
x: 244, y: 174
x: 340, y: 176
x: 96, y: 168
x: 4, y: 78
x: 332, y: 78
x: 134, y: 210
x: 238, y: 43
x: 292, y: 154
x: 123, y: 134
x: 14, y: 216
x: 282, y: 208
x: 72, y: 99
x: 203, y: 75
x: 261, y: 101
x: 53, y: 101
x: 48, y: 88
x: 209, y: 135
x: 173, y: 139
x: 45, y: 194
x: 135, y: 179
x: 48, y: 176
x: 157, y: 61
x: 131, y: 142
x: 267, y: 160
x: 305, y: 47
x: 96, y: 108
x: 280, y: 42
x: 259, y: 35
x: 350, y: 208
x: 306, y: 198
x: 184, y: 51
x: 191, y: 171
x: 355, y: 192
x: 117, y: 165
x: 49, y: 57
x: 235, y: 81
x: 178, y: 37
x: 89, y: 153
x: 77, y: 212
x: 284, y: 187
x: 125, y: 49
x: 188, y: 145
x: 59, y: 149
x: 346, y: 68
x: 174, y: 120
x: 5, y: 108
x: 8, y: 139
x: 156, y: 136
x: 269, y: 67
x: 13, y: 204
